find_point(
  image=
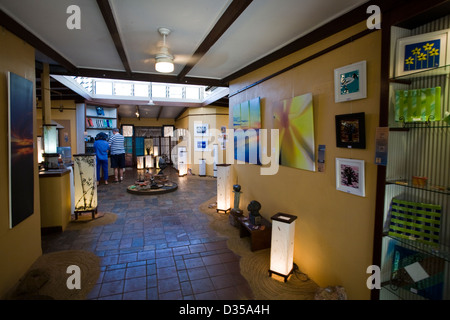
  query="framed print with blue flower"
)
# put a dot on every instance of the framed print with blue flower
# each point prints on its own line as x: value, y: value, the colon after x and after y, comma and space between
x: 350, y: 82
x: 421, y: 52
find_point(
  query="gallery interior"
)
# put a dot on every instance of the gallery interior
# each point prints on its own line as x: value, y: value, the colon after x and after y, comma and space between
x: 273, y: 150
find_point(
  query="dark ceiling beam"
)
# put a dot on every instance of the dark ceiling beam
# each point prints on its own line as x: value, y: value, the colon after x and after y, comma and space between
x: 230, y: 15
x: 108, y: 16
x: 181, y: 112
x: 159, y: 112
x: 15, y: 28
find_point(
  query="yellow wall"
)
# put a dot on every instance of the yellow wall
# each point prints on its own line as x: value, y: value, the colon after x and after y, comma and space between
x: 20, y: 246
x: 334, y: 230
x: 215, y: 117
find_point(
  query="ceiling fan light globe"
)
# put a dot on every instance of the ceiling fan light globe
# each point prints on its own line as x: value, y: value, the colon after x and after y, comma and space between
x: 164, y: 65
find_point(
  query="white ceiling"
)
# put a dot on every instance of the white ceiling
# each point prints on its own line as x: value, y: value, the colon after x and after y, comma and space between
x: 263, y: 27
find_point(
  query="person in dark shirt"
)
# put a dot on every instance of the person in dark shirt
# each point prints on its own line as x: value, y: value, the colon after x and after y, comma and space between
x: 101, y: 148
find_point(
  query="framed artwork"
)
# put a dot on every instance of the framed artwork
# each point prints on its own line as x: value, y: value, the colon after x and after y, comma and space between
x: 201, y: 144
x: 201, y: 129
x: 351, y: 130
x: 350, y: 82
x: 20, y: 148
x: 421, y: 52
x: 350, y: 176
x: 246, y: 123
x: 294, y: 119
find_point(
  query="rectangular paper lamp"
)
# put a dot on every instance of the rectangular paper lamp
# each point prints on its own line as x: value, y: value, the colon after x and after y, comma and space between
x: 223, y: 187
x: 85, y: 181
x: 140, y: 162
x: 148, y: 162
x: 282, y: 246
x: 182, y: 161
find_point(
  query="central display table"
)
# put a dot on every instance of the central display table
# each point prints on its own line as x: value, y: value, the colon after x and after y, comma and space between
x: 260, y: 236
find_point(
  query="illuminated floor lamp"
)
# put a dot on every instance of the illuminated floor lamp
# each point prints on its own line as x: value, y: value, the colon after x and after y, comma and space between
x: 85, y: 181
x: 140, y: 162
x: 223, y: 188
x: 182, y: 161
x: 148, y: 162
x: 282, y: 246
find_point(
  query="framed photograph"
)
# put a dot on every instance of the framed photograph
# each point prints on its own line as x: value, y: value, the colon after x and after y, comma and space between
x: 201, y: 144
x: 201, y: 129
x: 20, y: 148
x: 350, y: 82
x: 351, y: 130
x: 421, y: 52
x: 350, y: 176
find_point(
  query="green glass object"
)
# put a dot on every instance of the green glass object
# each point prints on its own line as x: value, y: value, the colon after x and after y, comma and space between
x: 418, y: 105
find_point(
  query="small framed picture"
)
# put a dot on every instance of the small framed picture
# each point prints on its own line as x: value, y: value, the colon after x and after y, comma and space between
x: 421, y: 52
x: 350, y: 82
x: 201, y: 129
x: 351, y: 130
x: 350, y: 176
x: 201, y: 144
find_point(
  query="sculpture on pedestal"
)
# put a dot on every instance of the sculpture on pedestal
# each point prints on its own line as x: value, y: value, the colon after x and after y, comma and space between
x: 254, y: 216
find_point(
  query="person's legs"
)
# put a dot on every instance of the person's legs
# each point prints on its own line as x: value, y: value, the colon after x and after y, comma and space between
x: 115, y: 165
x: 105, y: 170
x: 98, y: 171
x: 121, y: 165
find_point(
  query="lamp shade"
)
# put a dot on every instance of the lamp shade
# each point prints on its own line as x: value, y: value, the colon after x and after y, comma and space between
x: 282, y: 245
x: 140, y: 162
x: 85, y: 178
x: 148, y: 161
x: 50, y: 138
x: 182, y: 161
x: 224, y: 187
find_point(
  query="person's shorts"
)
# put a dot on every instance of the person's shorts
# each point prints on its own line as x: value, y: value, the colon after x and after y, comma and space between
x: 118, y: 160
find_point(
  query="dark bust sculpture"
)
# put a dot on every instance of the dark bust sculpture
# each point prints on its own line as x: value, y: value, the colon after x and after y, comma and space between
x: 254, y: 216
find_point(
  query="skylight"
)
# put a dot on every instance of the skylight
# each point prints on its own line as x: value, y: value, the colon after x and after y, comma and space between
x: 115, y: 88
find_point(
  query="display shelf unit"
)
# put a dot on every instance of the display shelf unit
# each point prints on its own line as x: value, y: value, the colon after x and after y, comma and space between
x: 98, y: 118
x: 417, y: 173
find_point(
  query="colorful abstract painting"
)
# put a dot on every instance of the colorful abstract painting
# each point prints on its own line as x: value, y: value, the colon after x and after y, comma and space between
x: 246, y: 125
x: 295, y: 121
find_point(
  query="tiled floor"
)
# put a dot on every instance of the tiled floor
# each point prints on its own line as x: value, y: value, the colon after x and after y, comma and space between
x: 160, y: 247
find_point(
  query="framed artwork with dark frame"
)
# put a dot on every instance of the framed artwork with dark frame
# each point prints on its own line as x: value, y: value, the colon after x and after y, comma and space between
x: 351, y: 130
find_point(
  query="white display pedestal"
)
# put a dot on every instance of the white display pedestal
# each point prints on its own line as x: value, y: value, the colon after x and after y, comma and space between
x: 202, y: 168
x: 282, y: 246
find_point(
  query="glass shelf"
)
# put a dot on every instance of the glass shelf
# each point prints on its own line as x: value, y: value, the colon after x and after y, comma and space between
x: 408, y: 184
x: 439, y: 250
x: 444, y: 70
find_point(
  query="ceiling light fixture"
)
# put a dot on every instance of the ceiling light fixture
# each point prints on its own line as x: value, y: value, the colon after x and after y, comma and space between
x: 164, y: 60
x: 137, y: 111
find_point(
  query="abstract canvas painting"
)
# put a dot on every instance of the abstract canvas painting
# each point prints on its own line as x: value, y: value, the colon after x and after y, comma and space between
x: 246, y: 123
x: 20, y: 132
x: 295, y: 121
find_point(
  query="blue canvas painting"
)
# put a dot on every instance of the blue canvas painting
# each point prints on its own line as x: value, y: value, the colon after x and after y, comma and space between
x: 422, y: 55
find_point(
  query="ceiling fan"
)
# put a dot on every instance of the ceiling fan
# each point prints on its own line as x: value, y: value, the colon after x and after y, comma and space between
x: 163, y: 59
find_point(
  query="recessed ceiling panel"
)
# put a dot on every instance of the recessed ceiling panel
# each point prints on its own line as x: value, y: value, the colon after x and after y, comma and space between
x: 138, y: 22
x: 91, y: 46
x: 264, y: 27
